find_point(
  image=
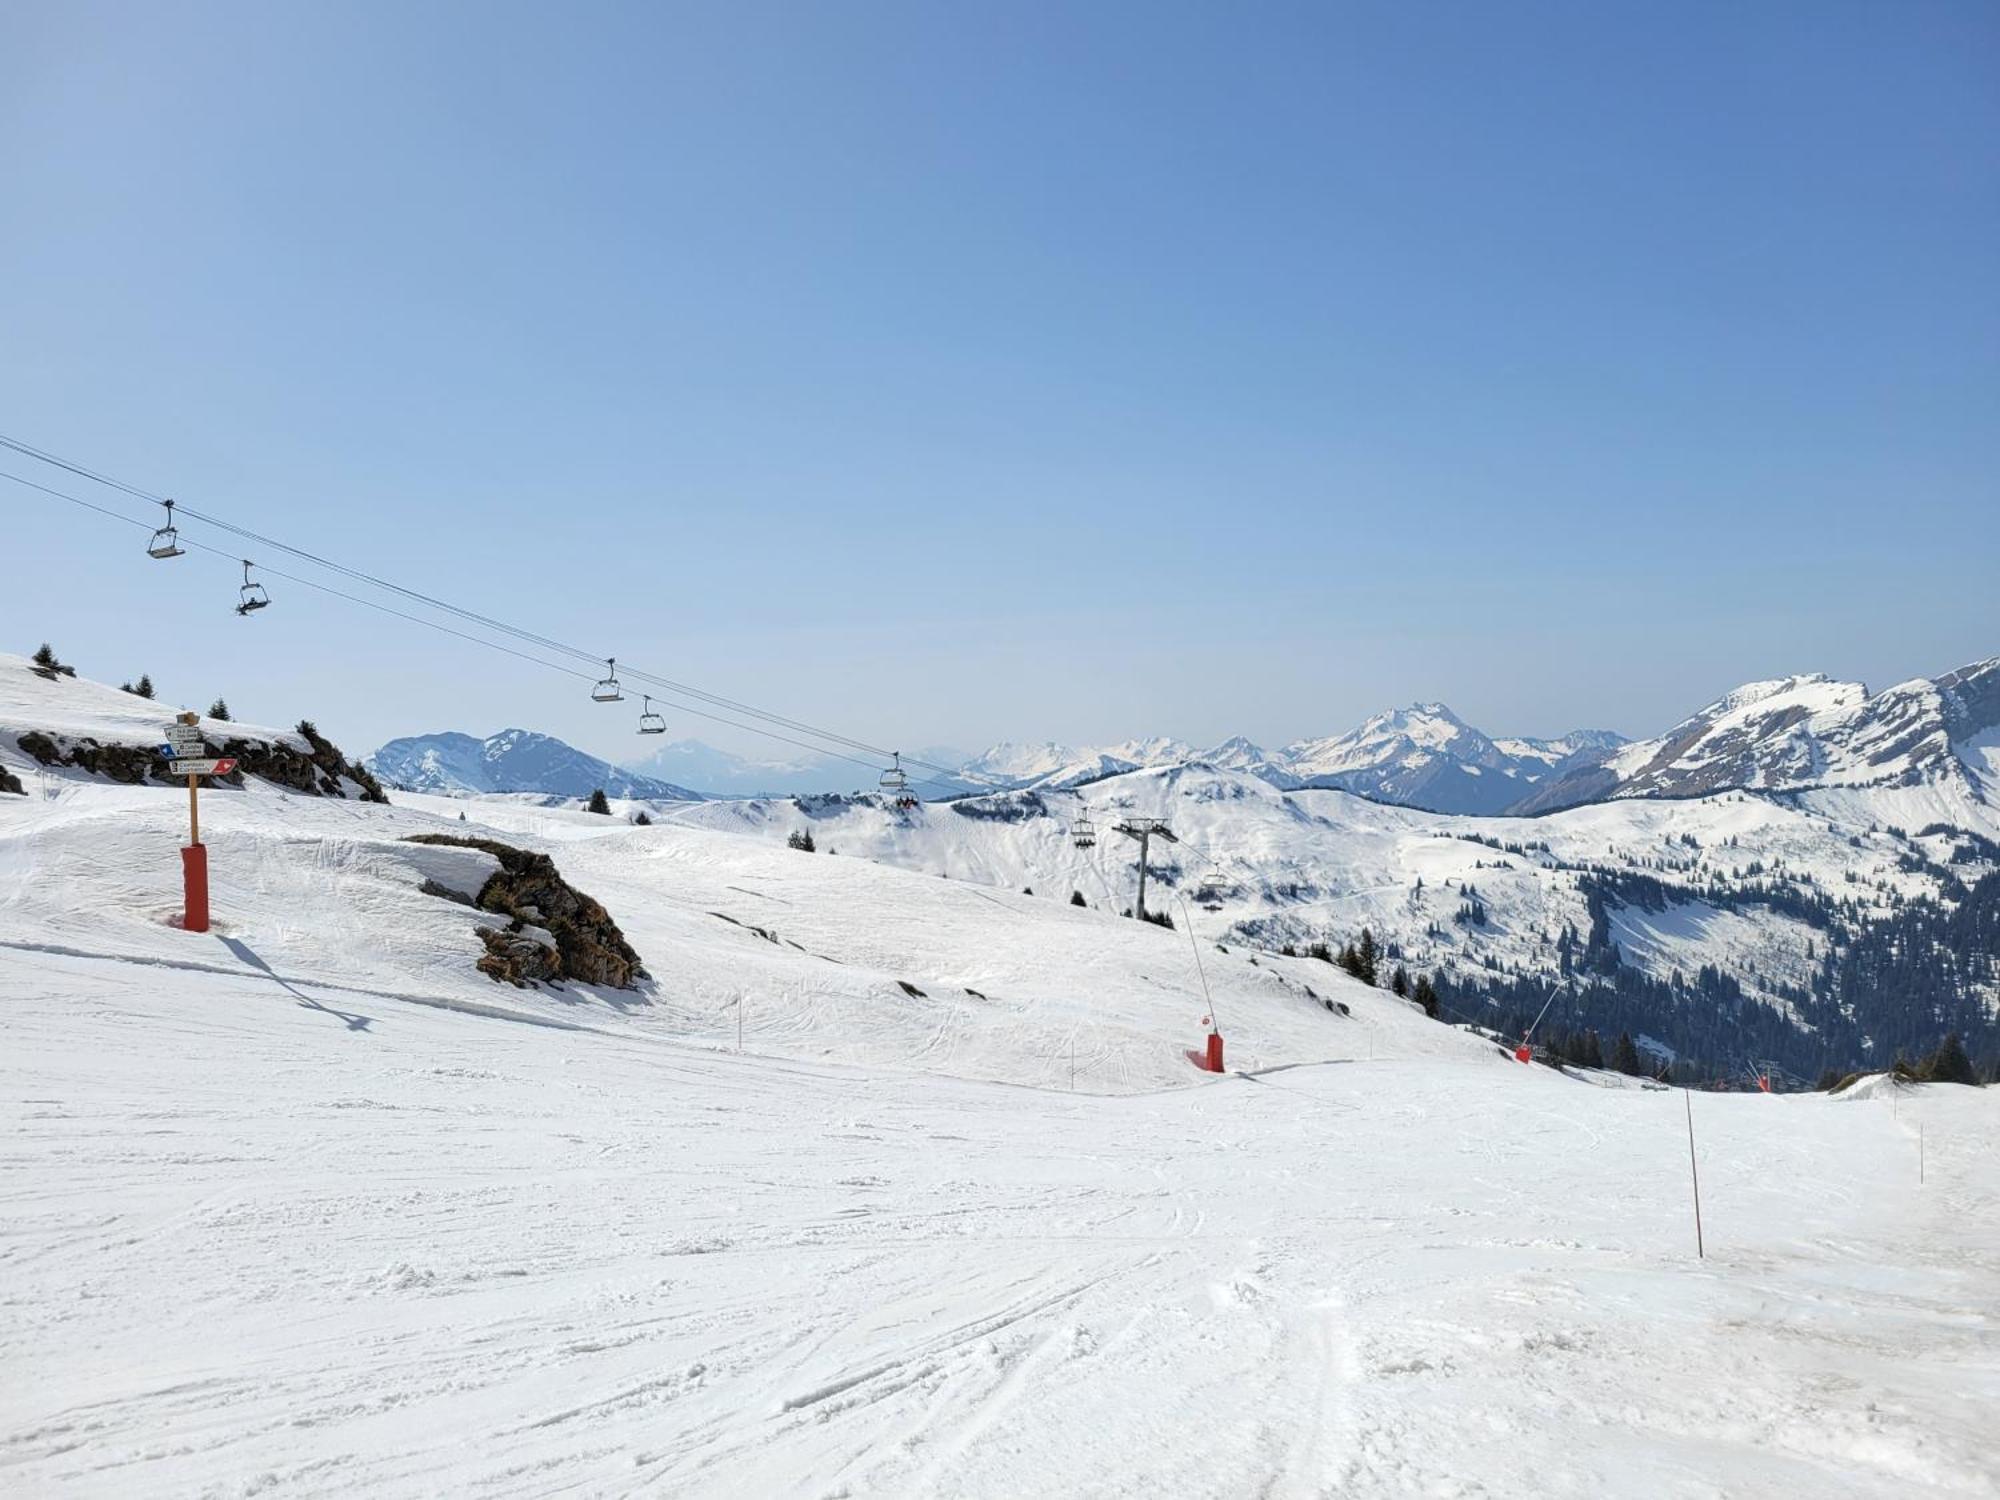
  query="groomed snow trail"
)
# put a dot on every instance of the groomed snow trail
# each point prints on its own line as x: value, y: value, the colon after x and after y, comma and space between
x: 267, y: 1238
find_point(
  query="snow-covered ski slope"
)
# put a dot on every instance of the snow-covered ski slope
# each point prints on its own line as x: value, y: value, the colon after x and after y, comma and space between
x: 305, y: 1206
x: 270, y: 1237
x: 1311, y: 864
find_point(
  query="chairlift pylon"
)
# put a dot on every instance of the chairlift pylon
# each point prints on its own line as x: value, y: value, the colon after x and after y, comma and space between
x: 253, y: 596
x: 650, y: 722
x: 608, y: 690
x: 166, y: 541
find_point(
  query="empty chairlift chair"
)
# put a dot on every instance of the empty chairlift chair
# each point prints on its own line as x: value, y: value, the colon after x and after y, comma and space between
x: 166, y: 541
x: 608, y: 690
x: 253, y: 597
x: 650, y: 722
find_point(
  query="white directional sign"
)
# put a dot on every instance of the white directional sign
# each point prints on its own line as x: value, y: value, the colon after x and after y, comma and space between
x: 185, y: 738
x: 201, y: 767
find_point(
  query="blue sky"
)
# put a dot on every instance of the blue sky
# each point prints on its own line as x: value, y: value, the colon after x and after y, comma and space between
x: 944, y: 373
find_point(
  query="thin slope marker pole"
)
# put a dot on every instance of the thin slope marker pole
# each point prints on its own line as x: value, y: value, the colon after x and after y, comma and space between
x: 1920, y: 1151
x: 1208, y: 999
x: 1694, y: 1173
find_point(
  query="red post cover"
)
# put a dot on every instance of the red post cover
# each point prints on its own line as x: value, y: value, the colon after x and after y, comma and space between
x: 194, y: 877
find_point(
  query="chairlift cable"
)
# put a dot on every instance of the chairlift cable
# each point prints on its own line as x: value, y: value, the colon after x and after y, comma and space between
x: 474, y: 617
x: 377, y: 605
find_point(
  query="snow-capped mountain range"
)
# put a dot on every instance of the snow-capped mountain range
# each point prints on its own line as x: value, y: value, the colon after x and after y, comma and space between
x: 1795, y: 733
x: 1831, y: 856
x: 1787, y: 734
x: 514, y: 760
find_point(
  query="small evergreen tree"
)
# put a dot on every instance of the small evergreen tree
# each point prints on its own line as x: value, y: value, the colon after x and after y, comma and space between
x: 1399, y: 982
x: 1625, y: 1056
x: 597, y: 803
x: 219, y: 710
x: 1076, y: 899
x: 642, y: 819
x: 1426, y: 995
x: 144, y: 688
x: 47, y: 665
x: 802, y: 840
x: 1949, y: 1064
x: 1368, y: 954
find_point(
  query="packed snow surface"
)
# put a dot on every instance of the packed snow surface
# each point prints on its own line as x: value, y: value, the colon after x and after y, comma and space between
x: 305, y: 1206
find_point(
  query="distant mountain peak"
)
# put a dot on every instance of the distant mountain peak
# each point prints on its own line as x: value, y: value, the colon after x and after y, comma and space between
x: 513, y: 760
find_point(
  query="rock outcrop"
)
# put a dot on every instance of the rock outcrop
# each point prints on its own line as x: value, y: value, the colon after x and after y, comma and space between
x: 554, y: 931
x: 320, y: 770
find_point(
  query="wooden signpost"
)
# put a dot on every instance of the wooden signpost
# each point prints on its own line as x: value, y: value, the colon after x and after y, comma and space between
x: 184, y: 749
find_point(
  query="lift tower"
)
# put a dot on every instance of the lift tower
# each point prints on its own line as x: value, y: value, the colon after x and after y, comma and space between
x: 1145, y: 830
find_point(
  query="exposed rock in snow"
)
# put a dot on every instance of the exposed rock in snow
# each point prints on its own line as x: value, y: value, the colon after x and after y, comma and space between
x: 554, y: 932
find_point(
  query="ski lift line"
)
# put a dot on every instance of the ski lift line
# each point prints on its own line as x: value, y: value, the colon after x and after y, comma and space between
x: 40, y: 456
x: 377, y: 605
x: 669, y: 684
x: 533, y: 637
x: 116, y: 515
x: 550, y: 643
x: 382, y: 608
x: 311, y: 583
x: 473, y: 617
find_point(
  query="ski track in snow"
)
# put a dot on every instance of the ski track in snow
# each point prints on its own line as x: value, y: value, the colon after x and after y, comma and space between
x: 251, y: 1252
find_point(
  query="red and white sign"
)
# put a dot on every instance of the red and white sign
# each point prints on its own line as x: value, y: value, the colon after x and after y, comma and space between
x: 201, y: 767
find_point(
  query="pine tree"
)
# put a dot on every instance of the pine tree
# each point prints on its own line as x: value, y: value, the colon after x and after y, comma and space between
x: 1367, y: 957
x: 1593, y: 1051
x: 219, y: 710
x: 802, y: 840
x: 1426, y: 995
x: 642, y: 819
x: 1949, y: 1064
x: 45, y: 657
x: 1625, y: 1056
x: 1076, y: 899
x: 145, y: 686
x: 597, y: 803
x: 1399, y: 983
